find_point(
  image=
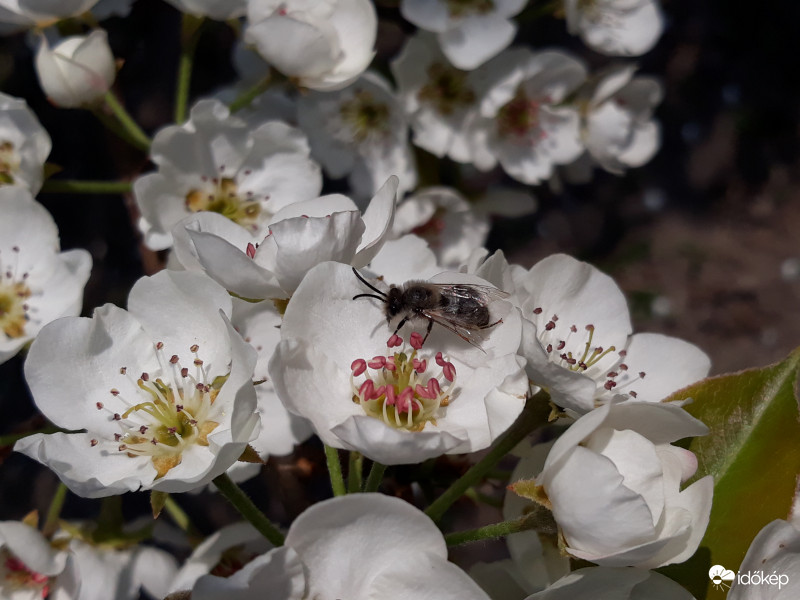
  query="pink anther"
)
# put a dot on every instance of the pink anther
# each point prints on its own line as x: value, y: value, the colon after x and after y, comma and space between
x: 394, y: 341
x: 377, y: 362
x: 251, y: 250
x: 390, y: 395
x: 420, y: 365
x: 405, y: 400
x: 367, y: 390
x: 358, y: 366
x: 416, y: 341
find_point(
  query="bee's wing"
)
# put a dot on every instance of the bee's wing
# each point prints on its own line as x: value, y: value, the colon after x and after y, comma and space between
x: 472, y: 336
x: 481, y: 293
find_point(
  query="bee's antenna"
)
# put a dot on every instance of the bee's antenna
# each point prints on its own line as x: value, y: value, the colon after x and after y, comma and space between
x: 369, y: 296
x: 383, y: 295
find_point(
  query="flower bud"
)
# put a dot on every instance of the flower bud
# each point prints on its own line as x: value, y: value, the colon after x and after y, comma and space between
x: 77, y: 71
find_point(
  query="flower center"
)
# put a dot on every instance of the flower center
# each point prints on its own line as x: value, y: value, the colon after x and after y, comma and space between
x: 399, y: 389
x: 605, y: 366
x: 9, y: 162
x: 221, y: 195
x: 173, y: 412
x: 14, y: 292
x: 447, y: 89
x: 520, y: 116
x: 365, y: 116
x: 16, y: 576
x: 464, y: 8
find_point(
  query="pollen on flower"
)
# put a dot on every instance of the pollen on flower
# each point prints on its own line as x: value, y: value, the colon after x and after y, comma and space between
x: 520, y: 118
x: 16, y: 578
x: 447, y: 89
x: 603, y: 365
x: 9, y: 162
x: 173, y: 410
x: 399, y: 389
x: 221, y: 195
x: 14, y: 294
x: 364, y: 117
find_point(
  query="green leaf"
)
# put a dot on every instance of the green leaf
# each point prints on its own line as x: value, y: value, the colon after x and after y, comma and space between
x: 753, y: 452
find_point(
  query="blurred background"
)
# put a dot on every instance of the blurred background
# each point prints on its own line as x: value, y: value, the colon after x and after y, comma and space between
x: 704, y: 239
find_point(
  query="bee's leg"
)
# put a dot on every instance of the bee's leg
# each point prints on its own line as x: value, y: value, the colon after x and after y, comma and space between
x: 402, y: 322
x: 427, y: 331
x: 491, y: 324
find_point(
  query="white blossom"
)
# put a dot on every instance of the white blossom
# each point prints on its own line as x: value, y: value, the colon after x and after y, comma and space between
x: 356, y: 547
x: 616, y: 27
x: 606, y: 583
x: 38, y: 284
x: 24, y: 145
x: 774, y: 553
x: 618, y: 127
x: 323, y: 44
x: 360, y: 131
x: 31, y: 568
x: 439, y: 99
x: 216, y: 162
x: 223, y: 553
x: 22, y: 14
x: 77, y: 71
x: 119, y: 573
x: 578, y: 343
x: 301, y: 235
x: 613, y: 481
x: 469, y: 33
x: 396, y: 402
x: 524, y: 122
x: 160, y: 396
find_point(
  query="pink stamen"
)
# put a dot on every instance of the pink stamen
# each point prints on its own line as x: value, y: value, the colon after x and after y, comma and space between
x: 377, y: 362
x: 394, y: 341
x: 389, y: 366
x: 404, y: 400
x: 433, y: 387
x: 420, y: 365
x: 423, y: 392
x: 449, y: 372
x: 390, y: 395
x: 367, y: 390
x: 251, y: 250
x: 358, y: 366
x: 416, y: 341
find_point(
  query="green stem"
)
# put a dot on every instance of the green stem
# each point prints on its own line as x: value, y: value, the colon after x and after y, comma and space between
x: 242, y: 502
x: 246, y: 98
x: 9, y: 439
x: 179, y: 516
x: 138, y: 137
x: 72, y: 186
x: 479, y: 498
x: 354, y: 472
x: 191, y: 27
x: 54, y: 511
x: 110, y: 123
x: 335, y: 471
x: 489, y: 532
x: 375, y: 477
x: 533, y: 415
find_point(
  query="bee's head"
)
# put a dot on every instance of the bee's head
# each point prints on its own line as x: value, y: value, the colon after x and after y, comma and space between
x: 394, y: 302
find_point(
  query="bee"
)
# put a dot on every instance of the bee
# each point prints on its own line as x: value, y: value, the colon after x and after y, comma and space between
x: 460, y: 307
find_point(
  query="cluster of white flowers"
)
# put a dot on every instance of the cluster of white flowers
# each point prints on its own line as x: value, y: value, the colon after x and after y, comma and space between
x: 377, y: 322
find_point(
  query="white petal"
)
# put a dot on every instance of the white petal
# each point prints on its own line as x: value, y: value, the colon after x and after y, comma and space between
x: 476, y: 39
